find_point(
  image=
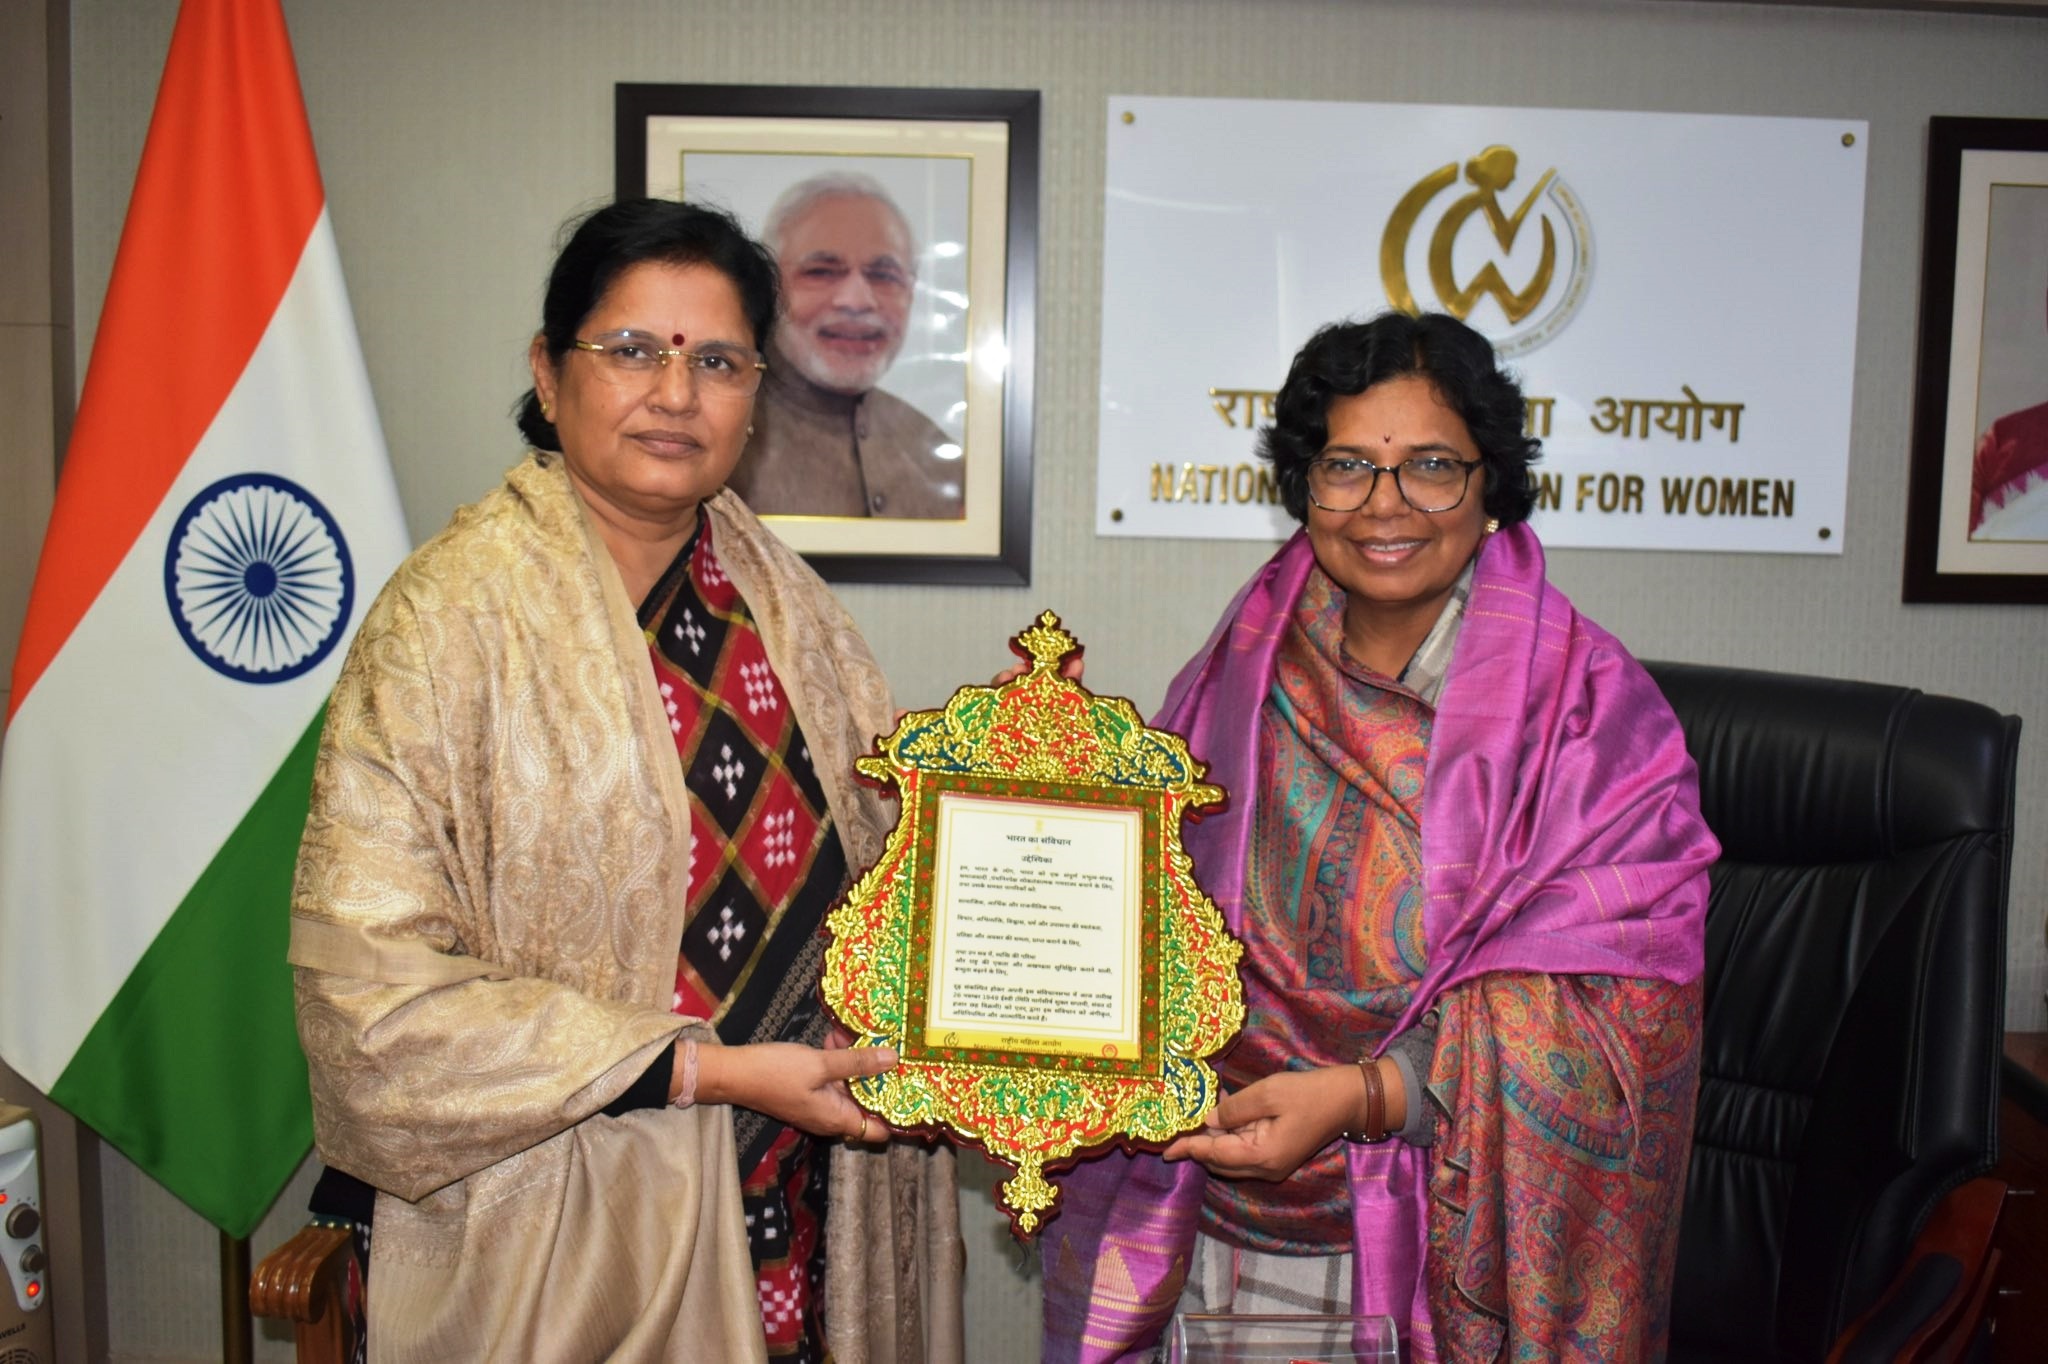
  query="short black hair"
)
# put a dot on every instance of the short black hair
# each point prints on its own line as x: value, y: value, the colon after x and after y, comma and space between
x: 607, y: 242
x: 1345, y: 358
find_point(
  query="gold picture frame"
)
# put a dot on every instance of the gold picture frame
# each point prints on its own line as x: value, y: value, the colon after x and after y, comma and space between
x: 1101, y: 976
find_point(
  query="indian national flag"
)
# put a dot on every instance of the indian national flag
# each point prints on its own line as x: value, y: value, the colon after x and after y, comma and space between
x: 224, y: 514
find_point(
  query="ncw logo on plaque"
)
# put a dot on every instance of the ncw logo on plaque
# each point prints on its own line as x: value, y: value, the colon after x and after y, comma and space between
x: 1516, y: 274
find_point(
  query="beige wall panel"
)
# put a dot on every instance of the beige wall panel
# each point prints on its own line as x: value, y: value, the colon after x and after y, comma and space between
x: 24, y: 164
x: 31, y: 331
x: 456, y: 136
x: 27, y: 475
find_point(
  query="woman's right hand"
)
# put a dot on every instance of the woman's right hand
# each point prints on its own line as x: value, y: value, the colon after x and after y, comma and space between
x: 1270, y: 1127
x: 802, y: 1086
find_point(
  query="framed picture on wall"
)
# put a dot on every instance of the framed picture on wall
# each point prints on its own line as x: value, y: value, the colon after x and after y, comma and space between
x: 892, y: 432
x: 1977, y: 502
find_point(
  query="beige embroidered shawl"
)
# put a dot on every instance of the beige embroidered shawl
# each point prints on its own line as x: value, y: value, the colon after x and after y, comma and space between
x: 485, y: 921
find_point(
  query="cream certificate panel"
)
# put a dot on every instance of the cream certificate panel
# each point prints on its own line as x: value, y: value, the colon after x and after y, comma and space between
x: 1677, y: 293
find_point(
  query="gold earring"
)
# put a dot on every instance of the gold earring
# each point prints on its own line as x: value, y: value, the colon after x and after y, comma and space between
x: 750, y: 428
x: 1492, y: 524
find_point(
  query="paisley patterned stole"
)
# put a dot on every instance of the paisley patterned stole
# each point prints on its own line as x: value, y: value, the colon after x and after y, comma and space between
x: 1333, y: 904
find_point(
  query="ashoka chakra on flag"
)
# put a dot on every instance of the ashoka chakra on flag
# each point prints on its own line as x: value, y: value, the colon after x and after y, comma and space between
x: 258, y: 578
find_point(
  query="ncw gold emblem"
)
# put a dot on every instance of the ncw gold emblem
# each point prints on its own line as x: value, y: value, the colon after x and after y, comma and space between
x: 1553, y: 287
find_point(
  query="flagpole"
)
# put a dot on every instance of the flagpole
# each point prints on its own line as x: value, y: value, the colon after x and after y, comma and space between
x: 237, y: 1330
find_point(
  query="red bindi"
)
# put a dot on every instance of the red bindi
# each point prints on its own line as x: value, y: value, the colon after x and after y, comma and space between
x: 676, y: 340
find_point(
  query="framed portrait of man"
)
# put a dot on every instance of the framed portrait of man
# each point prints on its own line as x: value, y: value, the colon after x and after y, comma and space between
x: 892, y: 433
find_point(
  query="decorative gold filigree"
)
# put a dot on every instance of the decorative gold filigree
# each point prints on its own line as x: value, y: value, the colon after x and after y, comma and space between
x: 1040, y: 738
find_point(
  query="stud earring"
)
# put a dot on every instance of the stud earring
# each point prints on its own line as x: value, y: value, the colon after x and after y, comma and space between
x: 547, y: 411
x: 750, y: 428
x: 1492, y: 524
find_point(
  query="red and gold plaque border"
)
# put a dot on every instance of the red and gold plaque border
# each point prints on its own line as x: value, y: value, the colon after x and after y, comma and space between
x: 1045, y: 739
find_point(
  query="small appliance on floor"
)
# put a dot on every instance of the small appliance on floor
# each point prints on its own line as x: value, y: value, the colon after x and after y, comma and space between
x: 25, y: 1332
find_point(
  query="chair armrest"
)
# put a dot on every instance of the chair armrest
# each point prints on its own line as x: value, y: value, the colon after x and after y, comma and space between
x: 1934, y: 1304
x: 303, y: 1278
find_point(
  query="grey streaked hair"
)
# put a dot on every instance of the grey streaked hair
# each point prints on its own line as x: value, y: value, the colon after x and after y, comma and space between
x: 797, y: 200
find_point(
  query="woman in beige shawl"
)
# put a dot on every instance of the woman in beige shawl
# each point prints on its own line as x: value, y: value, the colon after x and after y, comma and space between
x: 583, y: 799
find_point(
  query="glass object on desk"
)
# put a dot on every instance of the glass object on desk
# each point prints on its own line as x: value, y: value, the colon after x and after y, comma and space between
x: 1230, y: 1339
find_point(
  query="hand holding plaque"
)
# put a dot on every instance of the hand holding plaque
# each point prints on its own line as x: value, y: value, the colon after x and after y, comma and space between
x: 1032, y: 941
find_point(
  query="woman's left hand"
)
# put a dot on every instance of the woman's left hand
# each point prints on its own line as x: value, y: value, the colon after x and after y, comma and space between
x: 1267, y: 1129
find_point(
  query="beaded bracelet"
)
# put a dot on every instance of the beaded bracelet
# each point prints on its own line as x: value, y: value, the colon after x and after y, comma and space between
x: 1375, y: 1104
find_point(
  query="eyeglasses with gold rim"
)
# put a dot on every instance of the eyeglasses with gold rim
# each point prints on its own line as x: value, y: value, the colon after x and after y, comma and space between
x: 634, y: 359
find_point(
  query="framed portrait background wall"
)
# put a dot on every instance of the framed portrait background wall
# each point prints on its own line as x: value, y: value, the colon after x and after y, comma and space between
x: 894, y: 424
x: 1977, y: 503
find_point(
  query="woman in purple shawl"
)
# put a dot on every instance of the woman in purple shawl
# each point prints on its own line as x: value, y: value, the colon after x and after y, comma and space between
x: 1465, y: 855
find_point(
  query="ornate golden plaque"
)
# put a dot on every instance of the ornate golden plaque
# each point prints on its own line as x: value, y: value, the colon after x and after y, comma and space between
x: 1032, y: 941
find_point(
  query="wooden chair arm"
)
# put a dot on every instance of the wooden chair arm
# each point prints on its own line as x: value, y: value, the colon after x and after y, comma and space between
x: 302, y: 1277
x: 1932, y: 1307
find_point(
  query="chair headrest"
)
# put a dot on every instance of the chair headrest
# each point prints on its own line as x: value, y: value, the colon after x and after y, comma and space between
x: 1798, y: 770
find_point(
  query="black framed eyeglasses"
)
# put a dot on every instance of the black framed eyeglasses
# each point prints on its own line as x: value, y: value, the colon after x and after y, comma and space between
x: 1430, y: 483
x: 633, y: 360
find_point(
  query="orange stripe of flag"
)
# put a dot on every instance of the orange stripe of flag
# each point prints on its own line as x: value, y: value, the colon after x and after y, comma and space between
x: 226, y: 197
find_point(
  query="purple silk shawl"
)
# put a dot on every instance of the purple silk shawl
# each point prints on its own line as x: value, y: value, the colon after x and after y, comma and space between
x: 1561, y: 833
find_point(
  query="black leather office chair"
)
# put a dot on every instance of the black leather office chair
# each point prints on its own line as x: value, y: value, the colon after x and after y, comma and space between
x: 1855, y: 1009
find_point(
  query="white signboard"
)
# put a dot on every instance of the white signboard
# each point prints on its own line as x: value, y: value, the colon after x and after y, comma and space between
x: 1676, y: 292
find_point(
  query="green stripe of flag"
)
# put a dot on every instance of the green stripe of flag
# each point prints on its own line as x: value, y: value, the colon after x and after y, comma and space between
x: 194, y: 1070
